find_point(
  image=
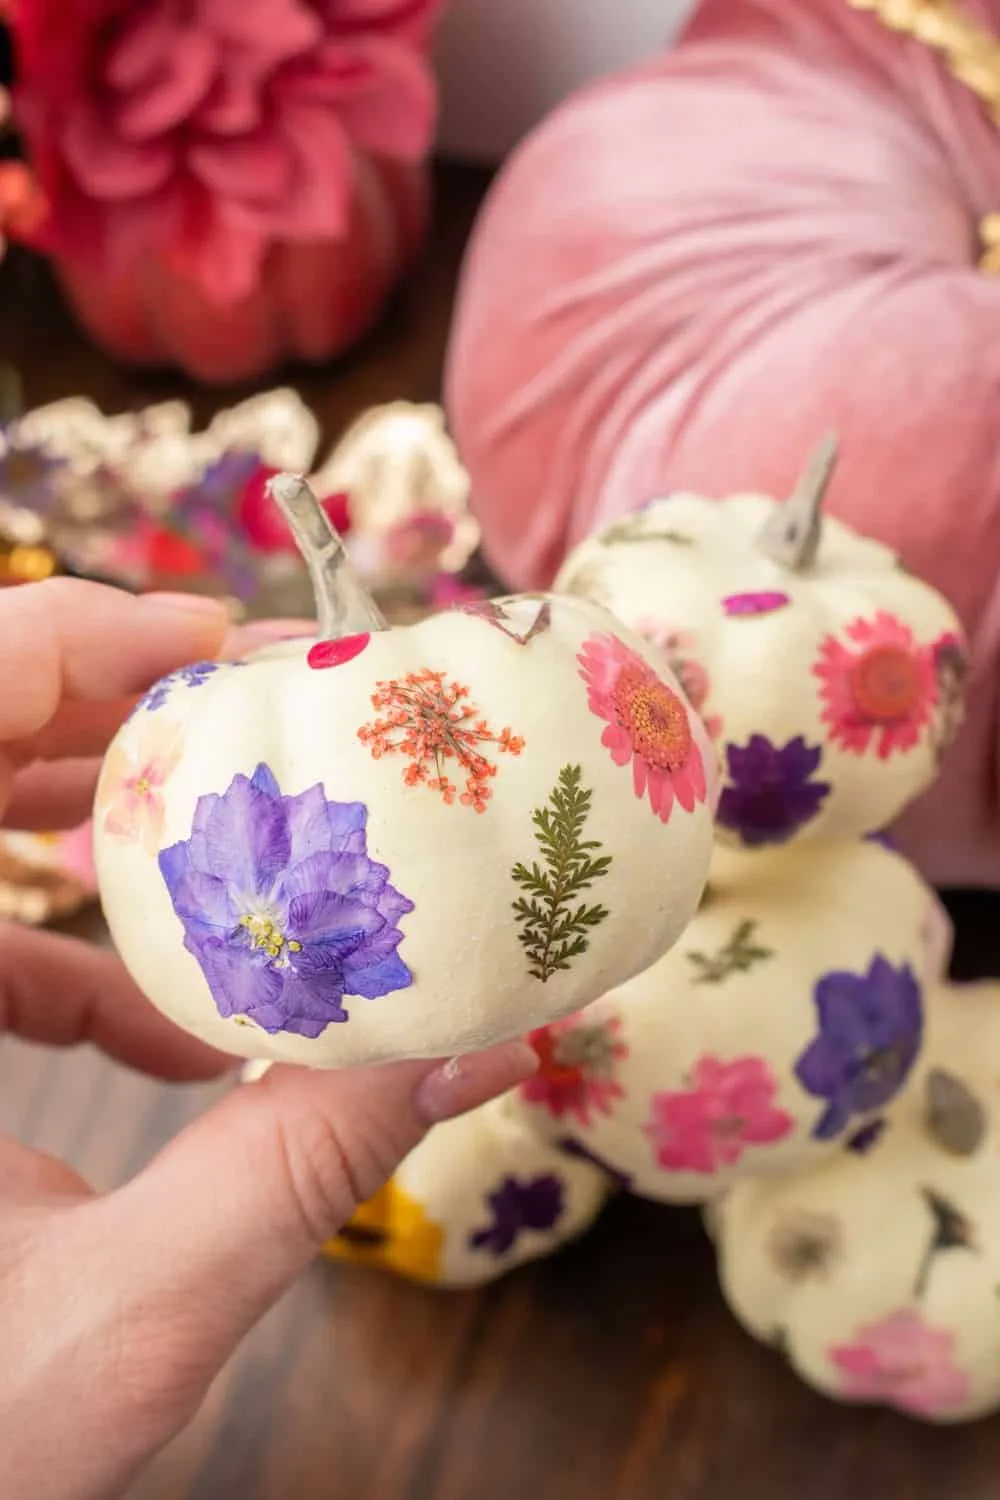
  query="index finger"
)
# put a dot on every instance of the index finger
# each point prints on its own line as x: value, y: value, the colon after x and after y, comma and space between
x: 68, y: 639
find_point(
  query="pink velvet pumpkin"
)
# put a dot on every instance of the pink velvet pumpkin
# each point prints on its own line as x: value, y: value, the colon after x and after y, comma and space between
x: 227, y: 185
x: 692, y: 271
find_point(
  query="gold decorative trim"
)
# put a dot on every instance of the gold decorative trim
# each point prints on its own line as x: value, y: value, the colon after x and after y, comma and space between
x: 972, y: 56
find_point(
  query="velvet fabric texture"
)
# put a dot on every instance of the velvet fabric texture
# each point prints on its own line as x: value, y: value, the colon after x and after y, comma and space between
x: 693, y: 270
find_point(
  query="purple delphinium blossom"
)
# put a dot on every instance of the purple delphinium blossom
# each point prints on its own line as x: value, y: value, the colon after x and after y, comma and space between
x: 282, y: 906
x: 192, y: 676
x: 863, y: 1140
x: 518, y: 1205
x: 871, y: 1030
x: 770, y: 793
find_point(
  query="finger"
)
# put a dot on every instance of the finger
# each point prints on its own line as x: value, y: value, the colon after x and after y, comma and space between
x: 80, y: 729
x: 66, y: 638
x: 61, y: 991
x: 49, y: 798
x: 234, y: 1208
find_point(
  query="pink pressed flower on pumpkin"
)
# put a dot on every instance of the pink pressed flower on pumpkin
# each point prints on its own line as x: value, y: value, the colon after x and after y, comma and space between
x: 903, y: 1362
x: 727, y: 1107
x: 647, y: 725
x: 878, y: 688
x: 129, y: 797
x: 206, y: 129
x: 677, y: 647
x: 578, y: 1060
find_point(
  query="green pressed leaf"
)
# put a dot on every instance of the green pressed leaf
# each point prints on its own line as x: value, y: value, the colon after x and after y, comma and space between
x: 554, y: 926
x: 951, y: 1229
x: 736, y: 956
x: 955, y: 1119
x: 633, y: 529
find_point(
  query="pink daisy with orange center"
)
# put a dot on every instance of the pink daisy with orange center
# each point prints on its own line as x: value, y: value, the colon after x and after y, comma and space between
x: 647, y: 725
x: 878, y: 688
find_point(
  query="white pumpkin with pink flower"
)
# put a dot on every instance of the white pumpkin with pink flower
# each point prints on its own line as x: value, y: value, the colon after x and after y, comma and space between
x: 403, y: 843
x: 829, y: 678
x: 876, y: 1277
x: 782, y: 1028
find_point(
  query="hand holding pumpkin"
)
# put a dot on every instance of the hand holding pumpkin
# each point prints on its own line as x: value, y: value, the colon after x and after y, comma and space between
x: 92, y: 1386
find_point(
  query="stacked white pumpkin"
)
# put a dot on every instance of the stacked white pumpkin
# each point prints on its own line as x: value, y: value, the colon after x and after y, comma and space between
x: 797, y: 1062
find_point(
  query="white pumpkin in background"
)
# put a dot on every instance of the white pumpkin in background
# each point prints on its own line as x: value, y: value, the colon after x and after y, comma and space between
x: 402, y: 843
x: 877, y: 1276
x: 830, y: 678
x: 780, y: 1030
x: 480, y: 1195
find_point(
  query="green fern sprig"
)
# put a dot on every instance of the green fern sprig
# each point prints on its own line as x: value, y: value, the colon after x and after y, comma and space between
x: 554, y: 929
x: 736, y: 956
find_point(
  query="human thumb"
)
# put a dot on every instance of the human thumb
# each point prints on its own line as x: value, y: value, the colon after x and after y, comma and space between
x: 224, y: 1219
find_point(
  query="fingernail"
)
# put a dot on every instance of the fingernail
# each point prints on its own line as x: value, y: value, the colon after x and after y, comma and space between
x: 186, y: 604
x: 463, y: 1083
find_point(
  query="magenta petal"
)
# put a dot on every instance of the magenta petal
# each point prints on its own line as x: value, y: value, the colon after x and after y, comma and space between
x: 106, y: 166
x: 143, y: 46
x: 234, y: 107
x: 762, y: 603
x: 336, y: 653
x: 169, y: 100
x: 256, y: 167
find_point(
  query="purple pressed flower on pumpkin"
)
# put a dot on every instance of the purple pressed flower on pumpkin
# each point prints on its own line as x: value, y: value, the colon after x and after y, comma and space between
x: 282, y: 906
x: 192, y: 676
x: 770, y: 793
x: 516, y: 1205
x: 871, y: 1030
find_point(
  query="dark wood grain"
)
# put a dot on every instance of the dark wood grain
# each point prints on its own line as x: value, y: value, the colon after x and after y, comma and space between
x: 613, y: 1371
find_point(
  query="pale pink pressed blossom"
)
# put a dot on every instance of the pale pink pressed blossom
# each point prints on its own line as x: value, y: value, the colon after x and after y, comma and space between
x: 678, y: 647
x: 902, y: 1361
x: 647, y: 725
x: 727, y: 1107
x: 578, y: 1060
x: 878, y: 688
x: 130, y: 794
x: 205, y: 130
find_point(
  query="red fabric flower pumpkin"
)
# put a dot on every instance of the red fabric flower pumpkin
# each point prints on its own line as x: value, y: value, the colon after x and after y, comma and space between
x: 228, y: 184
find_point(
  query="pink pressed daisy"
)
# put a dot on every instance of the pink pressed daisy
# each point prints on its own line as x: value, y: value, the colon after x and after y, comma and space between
x: 904, y: 1362
x: 647, y: 724
x: 878, y: 688
x: 577, y: 1062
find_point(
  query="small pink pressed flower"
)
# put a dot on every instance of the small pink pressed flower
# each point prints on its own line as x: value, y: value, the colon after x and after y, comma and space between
x: 577, y: 1062
x: 903, y: 1362
x: 647, y: 725
x: 129, y: 797
x: 727, y: 1107
x: 878, y: 689
x: 678, y: 647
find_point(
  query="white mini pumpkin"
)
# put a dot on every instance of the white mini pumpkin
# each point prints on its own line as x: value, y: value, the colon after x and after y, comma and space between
x: 877, y: 1275
x: 480, y: 1195
x: 781, y: 1028
x: 408, y: 842
x: 829, y: 678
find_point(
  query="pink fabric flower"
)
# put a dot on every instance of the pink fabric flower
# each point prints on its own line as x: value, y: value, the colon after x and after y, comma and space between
x: 727, y: 1107
x: 879, y: 690
x: 129, y: 797
x: 903, y: 1362
x: 647, y: 725
x: 206, y: 129
x: 577, y: 1061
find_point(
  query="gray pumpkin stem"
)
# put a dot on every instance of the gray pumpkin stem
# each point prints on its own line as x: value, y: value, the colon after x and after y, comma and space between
x: 343, y: 604
x: 792, y: 534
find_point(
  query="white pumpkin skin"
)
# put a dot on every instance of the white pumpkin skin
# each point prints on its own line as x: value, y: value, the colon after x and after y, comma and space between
x: 175, y: 784
x: 832, y: 691
x: 878, y: 1275
x: 740, y: 1052
x: 480, y: 1195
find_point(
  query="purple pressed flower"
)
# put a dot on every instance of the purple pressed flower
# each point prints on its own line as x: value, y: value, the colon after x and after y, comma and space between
x: 871, y: 1029
x: 533, y: 1204
x: 192, y: 676
x: 886, y: 840
x: 282, y: 906
x: 862, y: 1141
x: 763, y: 602
x: 770, y: 793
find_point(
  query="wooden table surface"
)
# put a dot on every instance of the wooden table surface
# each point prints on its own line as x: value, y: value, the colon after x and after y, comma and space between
x: 612, y: 1371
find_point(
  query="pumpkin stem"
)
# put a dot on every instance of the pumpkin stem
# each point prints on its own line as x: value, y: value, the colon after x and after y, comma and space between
x: 792, y: 534
x: 343, y: 604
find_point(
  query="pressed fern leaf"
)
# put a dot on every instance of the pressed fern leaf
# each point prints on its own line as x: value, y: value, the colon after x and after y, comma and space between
x: 736, y: 956
x: 554, y: 926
